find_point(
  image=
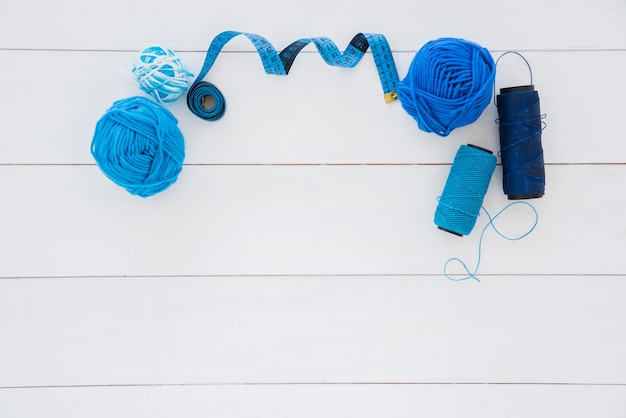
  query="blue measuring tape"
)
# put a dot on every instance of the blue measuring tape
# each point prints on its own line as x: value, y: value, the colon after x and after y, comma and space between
x: 207, y: 102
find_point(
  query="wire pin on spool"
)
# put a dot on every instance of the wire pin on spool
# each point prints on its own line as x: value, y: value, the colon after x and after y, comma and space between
x: 520, y: 127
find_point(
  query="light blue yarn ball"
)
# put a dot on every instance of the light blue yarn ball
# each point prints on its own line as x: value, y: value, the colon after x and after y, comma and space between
x: 448, y: 85
x: 138, y: 145
x: 161, y: 74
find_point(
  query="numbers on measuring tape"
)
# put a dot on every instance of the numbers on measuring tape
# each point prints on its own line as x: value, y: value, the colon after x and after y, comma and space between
x: 280, y: 63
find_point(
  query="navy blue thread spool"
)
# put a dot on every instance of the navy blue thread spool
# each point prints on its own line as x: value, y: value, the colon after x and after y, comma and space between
x: 520, y: 127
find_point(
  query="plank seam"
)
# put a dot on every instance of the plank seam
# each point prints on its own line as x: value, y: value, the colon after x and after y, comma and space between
x: 303, y: 275
x: 148, y: 385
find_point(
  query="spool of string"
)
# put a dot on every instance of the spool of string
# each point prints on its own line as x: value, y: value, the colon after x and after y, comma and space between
x: 462, y: 199
x: 161, y: 74
x: 138, y: 145
x: 464, y: 191
x: 449, y: 84
x: 520, y: 126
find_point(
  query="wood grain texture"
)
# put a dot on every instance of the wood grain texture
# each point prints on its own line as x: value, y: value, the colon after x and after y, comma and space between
x: 294, y: 268
x: 191, y: 24
x: 375, y: 329
x: 326, y: 220
x: 313, y: 401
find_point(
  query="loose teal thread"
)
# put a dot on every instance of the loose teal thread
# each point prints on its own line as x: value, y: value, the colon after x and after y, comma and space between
x: 472, y: 275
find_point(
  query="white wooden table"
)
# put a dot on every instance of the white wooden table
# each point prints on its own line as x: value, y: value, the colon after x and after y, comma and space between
x: 294, y: 269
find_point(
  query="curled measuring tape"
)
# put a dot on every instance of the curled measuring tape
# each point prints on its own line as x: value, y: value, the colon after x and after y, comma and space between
x: 206, y: 102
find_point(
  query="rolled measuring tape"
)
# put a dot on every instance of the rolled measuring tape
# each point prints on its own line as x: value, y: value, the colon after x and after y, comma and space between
x: 208, y: 103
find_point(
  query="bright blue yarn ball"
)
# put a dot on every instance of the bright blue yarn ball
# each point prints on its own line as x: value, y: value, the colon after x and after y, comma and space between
x: 448, y: 85
x: 137, y: 144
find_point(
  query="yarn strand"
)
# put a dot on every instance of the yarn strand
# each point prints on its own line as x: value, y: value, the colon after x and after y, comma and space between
x: 490, y: 223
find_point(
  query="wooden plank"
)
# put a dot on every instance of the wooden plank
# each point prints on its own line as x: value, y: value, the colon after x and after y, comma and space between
x: 295, y: 265
x: 318, y: 114
x: 72, y: 24
x: 250, y: 220
x: 326, y: 330
x: 314, y: 401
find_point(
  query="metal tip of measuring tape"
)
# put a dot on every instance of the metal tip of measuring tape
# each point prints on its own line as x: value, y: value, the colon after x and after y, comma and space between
x: 392, y: 96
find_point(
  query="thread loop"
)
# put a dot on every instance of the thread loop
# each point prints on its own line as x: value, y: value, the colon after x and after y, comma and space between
x: 472, y: 274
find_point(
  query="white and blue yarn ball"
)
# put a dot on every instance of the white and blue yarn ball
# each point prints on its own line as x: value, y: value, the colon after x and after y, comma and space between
x: 161, y: 74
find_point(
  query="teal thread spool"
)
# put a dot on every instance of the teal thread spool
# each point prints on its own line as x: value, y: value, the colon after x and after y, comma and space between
x: 465, y: 189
